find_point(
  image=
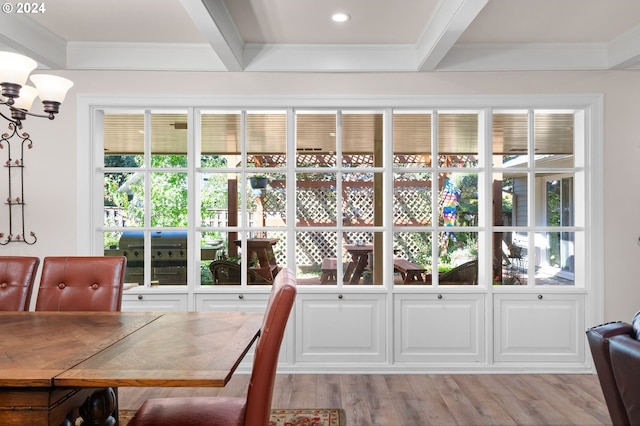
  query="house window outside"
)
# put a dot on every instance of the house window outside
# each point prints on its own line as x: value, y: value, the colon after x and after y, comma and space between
x: 206, y: 197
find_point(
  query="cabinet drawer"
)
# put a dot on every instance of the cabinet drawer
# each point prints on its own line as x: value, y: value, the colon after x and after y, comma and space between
x: 241, y: 302
x: 146, y: 302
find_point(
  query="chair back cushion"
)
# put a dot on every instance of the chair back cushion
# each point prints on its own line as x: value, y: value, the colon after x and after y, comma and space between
x: 265, y: 361
x: 17, y: 274
x: 81, y: 283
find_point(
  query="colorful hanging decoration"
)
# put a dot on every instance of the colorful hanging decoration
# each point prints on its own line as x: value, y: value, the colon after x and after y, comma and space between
x: 450, y: 202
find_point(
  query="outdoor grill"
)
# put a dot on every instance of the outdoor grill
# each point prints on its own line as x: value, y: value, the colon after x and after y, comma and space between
x: 168, y: 256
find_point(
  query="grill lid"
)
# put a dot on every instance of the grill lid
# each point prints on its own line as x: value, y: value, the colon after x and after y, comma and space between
x: 159, y: 239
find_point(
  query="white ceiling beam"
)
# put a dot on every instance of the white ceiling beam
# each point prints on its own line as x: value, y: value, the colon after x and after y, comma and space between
x: 330, y: 58
x: 450, y: 19
x: 215, y: 23
x: 24, y: 35
x: 624, y: 51
x: 143, y: 56
x: 526, y: 57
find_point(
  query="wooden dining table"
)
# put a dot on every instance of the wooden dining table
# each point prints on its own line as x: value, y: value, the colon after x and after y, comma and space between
x: 55, y: 366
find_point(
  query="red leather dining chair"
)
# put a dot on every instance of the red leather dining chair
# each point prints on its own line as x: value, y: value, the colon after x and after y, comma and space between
x: 84, y: 283
x: 81, y: 283
x: 255, y: 409
x: 17, y: 275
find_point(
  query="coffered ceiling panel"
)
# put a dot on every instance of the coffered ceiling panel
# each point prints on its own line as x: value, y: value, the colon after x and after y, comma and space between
x: 299, y: 35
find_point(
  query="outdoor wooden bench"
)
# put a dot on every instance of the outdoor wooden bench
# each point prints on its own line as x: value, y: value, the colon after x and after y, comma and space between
x: 329, y: 270
x: 410, y: 272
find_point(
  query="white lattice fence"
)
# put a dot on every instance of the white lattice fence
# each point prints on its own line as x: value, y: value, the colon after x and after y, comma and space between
x: 316, y: 206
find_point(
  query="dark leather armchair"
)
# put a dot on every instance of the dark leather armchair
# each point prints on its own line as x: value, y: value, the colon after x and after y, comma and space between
x: 81, y: 283
x: 616, y: 355
x: 17, y: 275
x: 253, y: 410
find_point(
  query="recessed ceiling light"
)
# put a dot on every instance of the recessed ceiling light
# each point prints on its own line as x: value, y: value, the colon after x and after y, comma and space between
x: 340, y: 17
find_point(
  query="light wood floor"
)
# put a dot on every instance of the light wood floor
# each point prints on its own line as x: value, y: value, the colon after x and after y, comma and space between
x: 425, y: 399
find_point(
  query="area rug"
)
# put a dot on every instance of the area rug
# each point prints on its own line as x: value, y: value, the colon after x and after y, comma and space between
x: 287, y: 417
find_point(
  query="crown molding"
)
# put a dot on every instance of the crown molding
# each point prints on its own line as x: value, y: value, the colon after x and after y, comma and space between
x: 350, y: 58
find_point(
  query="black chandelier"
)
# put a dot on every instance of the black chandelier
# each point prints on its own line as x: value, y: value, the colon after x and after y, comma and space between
x: 14, y: 72
x: 18, y: 97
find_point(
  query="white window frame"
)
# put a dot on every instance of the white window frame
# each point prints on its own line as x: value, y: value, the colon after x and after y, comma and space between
x: 589, y: 120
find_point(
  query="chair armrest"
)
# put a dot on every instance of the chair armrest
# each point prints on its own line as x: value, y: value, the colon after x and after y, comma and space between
x: 598, y: 338
x: 625, y: 361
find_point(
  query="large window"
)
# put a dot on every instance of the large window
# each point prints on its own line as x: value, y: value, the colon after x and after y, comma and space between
x: 346, y: 197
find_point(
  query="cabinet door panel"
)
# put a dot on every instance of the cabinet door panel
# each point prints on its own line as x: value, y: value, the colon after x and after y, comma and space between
x: 439, y: 328
x: 539, y: 327
x: 351, y: 328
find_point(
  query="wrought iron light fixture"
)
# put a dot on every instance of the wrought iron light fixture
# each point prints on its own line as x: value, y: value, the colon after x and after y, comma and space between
x: 18, y: 97
x: 14, y: 72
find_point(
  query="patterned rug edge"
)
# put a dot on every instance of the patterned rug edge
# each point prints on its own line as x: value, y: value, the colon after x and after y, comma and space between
x: 284, y: 417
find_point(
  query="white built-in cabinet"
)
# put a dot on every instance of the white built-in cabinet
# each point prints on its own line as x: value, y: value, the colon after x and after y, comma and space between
x: 404, y: 331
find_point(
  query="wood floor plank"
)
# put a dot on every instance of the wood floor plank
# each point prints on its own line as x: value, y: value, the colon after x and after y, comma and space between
x: 458, y: 402
x: 381, y: 403
x: 328, y: 391
x: 425, y: 399
x: 487, y: 406
x: 407, y: 402
x: 567, y: 400
x: 356, y: 408
x: 436, y: 410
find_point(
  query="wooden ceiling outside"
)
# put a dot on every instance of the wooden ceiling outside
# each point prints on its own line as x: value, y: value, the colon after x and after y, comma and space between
x: 266, y: 133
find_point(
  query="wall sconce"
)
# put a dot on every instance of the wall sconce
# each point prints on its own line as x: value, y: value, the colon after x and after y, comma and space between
x: 14, y: 72
x: 18, y: 97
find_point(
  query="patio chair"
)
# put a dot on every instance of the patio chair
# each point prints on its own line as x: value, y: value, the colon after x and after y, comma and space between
x: 228, y: 272
x: 465, y: 274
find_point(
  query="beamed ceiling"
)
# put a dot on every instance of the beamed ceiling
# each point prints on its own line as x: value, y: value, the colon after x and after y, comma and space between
x: 298, y: 35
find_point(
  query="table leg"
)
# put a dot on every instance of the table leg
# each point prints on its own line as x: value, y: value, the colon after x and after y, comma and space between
x: 349, y: 271
x: 360, y: 267
x: 99, y: 408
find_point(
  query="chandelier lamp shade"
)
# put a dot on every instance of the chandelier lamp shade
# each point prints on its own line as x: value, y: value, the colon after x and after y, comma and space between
x: 19, y: 97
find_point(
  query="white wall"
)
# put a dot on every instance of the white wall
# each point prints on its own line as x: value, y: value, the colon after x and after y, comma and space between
x: 50, y: 185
